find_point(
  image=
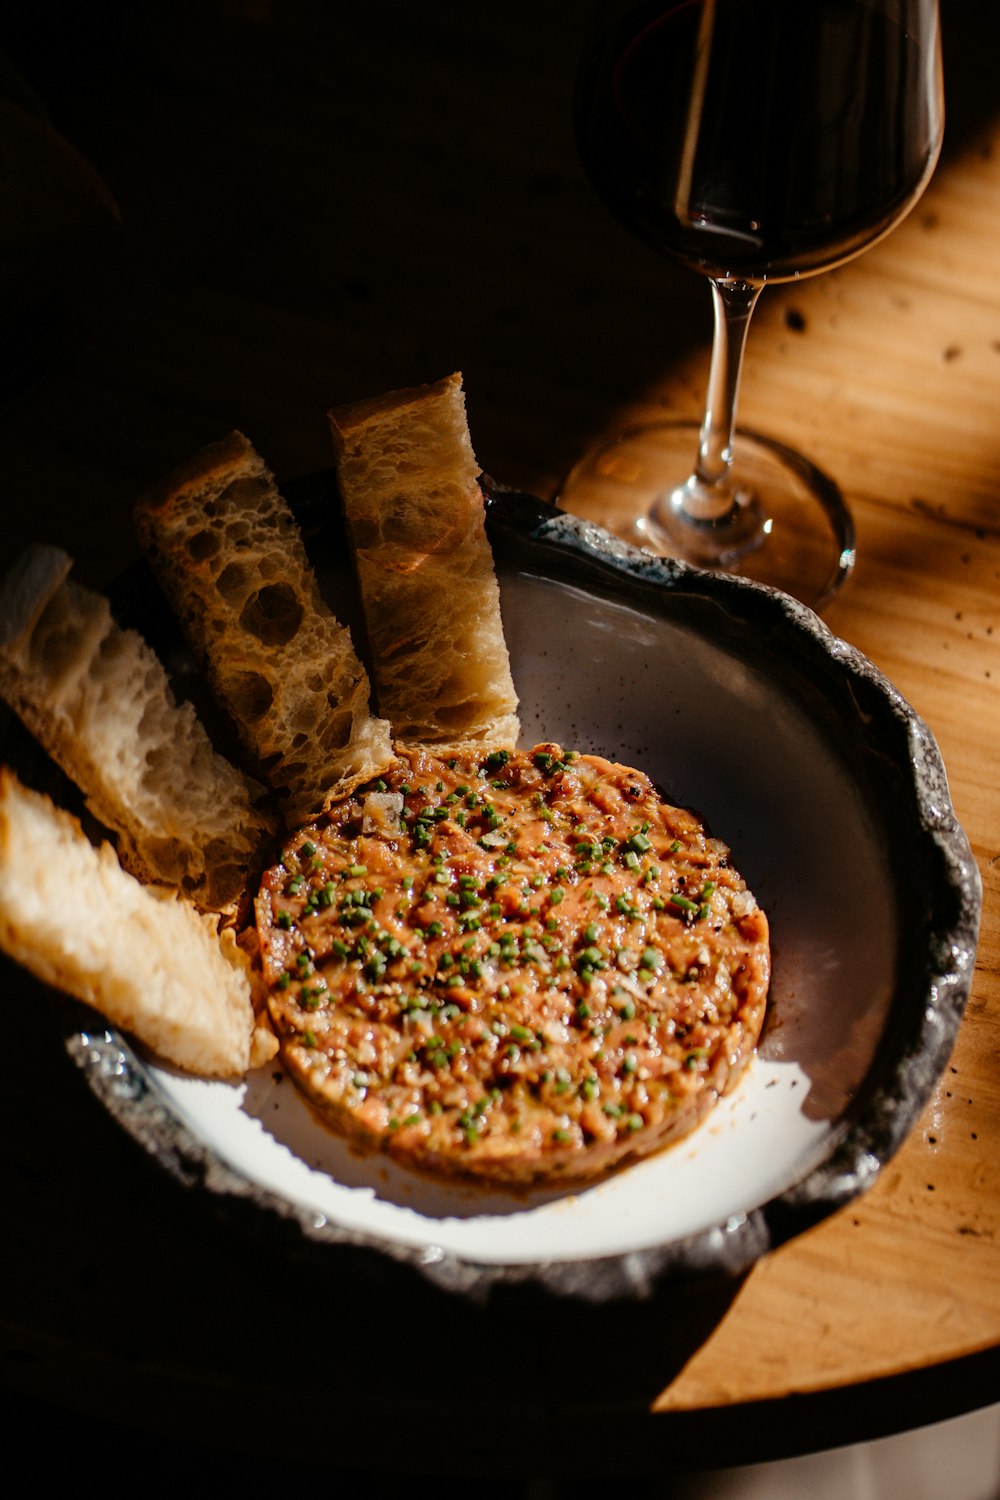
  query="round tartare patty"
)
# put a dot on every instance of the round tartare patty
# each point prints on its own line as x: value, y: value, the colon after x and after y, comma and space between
x: 519, y: 967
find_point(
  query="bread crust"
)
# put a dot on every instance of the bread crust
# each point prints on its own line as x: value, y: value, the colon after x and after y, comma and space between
x: 141, y: 956
x: 415, y: 514
x: 352, y: 416
x: 99, y: 702
x: 229, y: 557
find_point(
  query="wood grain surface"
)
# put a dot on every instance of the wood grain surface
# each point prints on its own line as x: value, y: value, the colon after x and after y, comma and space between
x: 318, y: 202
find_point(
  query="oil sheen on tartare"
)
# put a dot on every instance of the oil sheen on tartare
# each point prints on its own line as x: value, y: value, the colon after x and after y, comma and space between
x: 520, y: 967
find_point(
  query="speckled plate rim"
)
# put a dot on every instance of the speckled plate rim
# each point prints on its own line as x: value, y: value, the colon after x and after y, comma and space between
x: 561, y: 547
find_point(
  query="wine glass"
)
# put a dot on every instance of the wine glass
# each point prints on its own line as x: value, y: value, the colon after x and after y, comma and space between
x: 753, y: 141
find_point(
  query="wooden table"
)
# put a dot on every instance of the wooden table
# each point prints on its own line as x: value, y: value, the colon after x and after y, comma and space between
x: 320, y: 202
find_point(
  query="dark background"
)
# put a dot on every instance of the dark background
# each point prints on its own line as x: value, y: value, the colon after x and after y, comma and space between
x: 321, y: 201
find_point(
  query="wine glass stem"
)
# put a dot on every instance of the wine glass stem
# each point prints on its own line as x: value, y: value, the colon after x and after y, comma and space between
x: 707, y: 498
x: 733, y: 303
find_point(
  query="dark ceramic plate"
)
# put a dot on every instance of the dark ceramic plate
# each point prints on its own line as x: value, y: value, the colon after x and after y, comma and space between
x: 830, y: 791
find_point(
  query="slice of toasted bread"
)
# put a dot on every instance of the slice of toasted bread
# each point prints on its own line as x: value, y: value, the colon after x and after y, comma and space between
x: 142, y: 957
x: 416, y: 518
x: 230, y: 559
x: 99, y: 702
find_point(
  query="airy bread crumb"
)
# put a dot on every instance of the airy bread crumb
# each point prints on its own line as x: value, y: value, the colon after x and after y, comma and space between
x: 144, y: 958
x: 416, y: 518
x: 230, y: 559
x: 99, y: 702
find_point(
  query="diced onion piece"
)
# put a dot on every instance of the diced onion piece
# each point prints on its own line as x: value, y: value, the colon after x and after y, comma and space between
x: 381, y: 811
x: 631, y: 985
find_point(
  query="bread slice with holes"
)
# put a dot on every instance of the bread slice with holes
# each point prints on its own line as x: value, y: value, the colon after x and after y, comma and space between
x: 416, y: 517
x: 142, y: 957
x: 230, y: 559
x: 99, y: 701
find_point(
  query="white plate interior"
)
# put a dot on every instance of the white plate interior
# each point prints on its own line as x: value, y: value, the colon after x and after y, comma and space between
x: 733, y: 741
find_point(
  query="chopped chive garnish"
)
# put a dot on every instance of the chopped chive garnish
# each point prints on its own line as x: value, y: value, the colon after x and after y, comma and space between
x: 638, y: 843
x: 683, y: 902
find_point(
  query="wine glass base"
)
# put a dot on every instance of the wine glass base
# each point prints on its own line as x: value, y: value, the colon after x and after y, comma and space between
x: 792, y: 531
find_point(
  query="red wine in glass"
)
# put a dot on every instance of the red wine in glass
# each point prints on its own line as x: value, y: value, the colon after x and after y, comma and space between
x: 753, y: 141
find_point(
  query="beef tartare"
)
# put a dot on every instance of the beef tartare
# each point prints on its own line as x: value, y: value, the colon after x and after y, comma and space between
x: 521, y: 967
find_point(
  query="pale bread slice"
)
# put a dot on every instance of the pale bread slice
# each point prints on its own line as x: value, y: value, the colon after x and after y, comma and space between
x: 99, y: 701
x: 230, y: 559
x: 416, y: 519
x: 143, y: 957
